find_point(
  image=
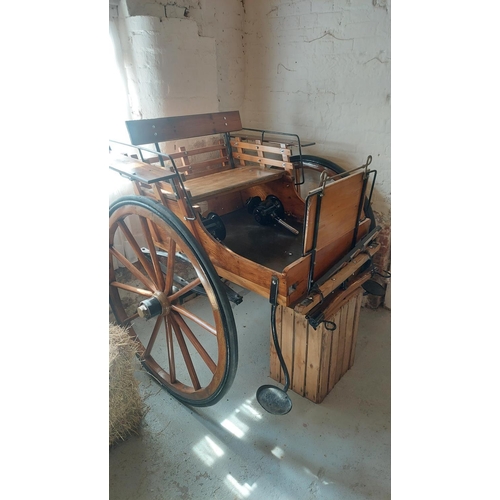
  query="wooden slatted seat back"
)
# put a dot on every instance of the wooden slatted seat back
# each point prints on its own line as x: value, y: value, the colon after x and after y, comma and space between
x: 209, y: 157
x: 337, y: 222
x: 254, y: 152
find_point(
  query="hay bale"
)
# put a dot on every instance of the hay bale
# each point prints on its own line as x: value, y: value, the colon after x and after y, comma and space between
x: 126, y: 407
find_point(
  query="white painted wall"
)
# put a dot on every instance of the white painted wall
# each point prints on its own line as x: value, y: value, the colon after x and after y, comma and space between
x: 171, y: 70
x: 319, y: 68
x: 182, y: 57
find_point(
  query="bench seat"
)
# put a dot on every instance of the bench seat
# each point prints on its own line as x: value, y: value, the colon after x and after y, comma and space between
x: 199, y: 188
x: 202, y: 188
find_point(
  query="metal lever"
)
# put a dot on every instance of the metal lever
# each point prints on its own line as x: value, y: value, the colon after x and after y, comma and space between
x: 284, y: 224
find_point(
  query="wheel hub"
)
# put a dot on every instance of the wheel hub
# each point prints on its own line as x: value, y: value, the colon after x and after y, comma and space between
x: 156, y: 305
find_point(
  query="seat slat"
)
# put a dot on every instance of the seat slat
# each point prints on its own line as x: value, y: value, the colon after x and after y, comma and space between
x: 173, y: 128
x: 206, y: 187
x: 137, y: 170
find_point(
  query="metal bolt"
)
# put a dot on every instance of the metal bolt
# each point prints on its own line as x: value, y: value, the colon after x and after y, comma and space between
x: 143, y: 311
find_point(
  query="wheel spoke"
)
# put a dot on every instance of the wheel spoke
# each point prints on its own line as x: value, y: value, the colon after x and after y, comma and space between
x: 137, y: 249
x: 152, y: 339
x: 184, y: 290
x: 137, y: 274
x: 130, y: 288
x: 195, y: 342
x: 156, y: 264
x: 196, y: 319
x: 186, y: 356
x: 170, y: 350
x: 169, y: 278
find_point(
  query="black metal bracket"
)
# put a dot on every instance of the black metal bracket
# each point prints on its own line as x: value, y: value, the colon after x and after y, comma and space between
x: 273, y: 292
x: 317, y: 319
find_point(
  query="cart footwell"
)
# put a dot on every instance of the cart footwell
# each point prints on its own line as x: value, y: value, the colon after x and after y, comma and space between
x: 272, y: 246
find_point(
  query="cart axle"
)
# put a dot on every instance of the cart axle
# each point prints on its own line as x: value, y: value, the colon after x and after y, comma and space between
x: 154, y: 306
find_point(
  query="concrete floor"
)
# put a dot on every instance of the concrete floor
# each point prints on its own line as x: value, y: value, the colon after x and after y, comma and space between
x: 339, y: 449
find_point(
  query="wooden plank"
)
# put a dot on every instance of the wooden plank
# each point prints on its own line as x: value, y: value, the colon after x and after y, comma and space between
x: 339, y: 208
x: 355, y: 327
x: 262, y: 160
x: 137, y: 170
x: 310, y: 218
x: 231, y: 180
x: 198, y: 151
x: 313, y: 365
x: 260, y: 148
x: 300, y: 353
x: 340, y: 353
x: 351, y: 310
x: 201, y: 165
x: 287, y: 339
x: 240, y: 151
x: 185, y: 163
x: 334, y: 352
x: 326, y: 347
x: 173, y: 128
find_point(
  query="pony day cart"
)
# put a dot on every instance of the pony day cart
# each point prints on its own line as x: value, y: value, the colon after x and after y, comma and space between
x: 234, y: 207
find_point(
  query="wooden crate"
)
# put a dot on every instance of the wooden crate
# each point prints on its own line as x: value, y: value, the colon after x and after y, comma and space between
x: 317, y: 359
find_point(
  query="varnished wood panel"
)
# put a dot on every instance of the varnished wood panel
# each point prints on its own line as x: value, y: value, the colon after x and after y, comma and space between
x: 338, y: 212
x: 182, y: 127
x: 203, y: 188
x: 137, y: 170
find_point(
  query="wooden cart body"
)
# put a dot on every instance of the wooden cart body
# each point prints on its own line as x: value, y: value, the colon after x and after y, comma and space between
x: 224, y: 166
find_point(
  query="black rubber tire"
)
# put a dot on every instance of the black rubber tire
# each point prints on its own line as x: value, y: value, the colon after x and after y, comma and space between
x: 319, y: 164
x: 224, y: 342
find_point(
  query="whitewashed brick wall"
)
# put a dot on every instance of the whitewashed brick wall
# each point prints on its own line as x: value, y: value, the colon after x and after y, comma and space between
x: 322, y: 69
x: 319, y: 68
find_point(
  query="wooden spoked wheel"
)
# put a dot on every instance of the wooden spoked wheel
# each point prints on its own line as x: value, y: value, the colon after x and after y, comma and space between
x: 165, y: 290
